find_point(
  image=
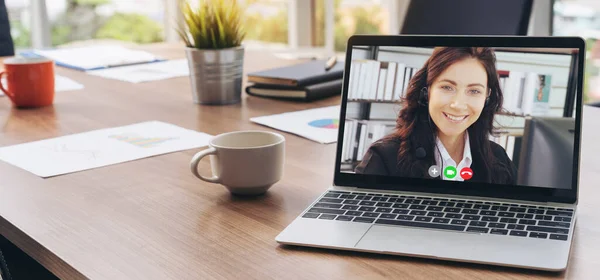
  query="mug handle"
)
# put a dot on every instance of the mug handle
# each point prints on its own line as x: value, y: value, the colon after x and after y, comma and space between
x: 10, y: 95
x: 196, y: 159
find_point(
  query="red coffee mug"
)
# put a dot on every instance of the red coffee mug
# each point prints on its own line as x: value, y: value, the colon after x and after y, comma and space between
x: 29, y: 81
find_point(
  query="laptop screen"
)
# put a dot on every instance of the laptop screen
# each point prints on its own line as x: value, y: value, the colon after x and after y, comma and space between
x: 471, y: 116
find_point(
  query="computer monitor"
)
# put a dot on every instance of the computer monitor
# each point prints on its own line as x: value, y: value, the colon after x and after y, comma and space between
x: 547, y: 152
x: 467, y: 17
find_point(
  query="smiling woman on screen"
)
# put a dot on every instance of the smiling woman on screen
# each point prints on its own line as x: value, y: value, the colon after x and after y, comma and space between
x: 446, y: 120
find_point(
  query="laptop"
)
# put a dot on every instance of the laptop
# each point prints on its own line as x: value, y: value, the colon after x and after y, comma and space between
x: 438, y: 146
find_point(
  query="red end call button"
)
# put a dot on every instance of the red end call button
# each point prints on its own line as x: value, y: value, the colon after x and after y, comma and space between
x: 466, y: 173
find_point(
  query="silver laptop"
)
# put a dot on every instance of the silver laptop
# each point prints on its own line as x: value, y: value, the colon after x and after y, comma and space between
x: 455, y: 148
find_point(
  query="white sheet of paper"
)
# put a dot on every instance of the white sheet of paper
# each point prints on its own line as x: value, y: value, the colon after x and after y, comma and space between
x: 145, y: 72
x: 90, y: 57
x: 65, y: 84
x: 60, y: 84
x: 320, y: 125
x: 102, y: 147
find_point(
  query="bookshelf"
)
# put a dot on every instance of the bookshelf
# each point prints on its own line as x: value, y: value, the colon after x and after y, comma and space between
x: 374, y: 99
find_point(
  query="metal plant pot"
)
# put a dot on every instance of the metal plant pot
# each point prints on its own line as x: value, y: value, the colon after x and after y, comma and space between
x: 216, y: 75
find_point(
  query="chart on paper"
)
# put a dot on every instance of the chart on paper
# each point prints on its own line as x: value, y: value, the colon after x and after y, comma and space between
x: 320, y: 125
x: 325, y: 123
x: 102, y: 147
x: 63, y: 150
x: 140, y: 141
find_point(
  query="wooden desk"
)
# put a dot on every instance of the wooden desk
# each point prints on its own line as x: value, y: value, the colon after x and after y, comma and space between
x: 152, y: 219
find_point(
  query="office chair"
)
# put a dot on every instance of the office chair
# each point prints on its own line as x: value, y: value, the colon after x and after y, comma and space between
x: 4, y: 274
x: 547, y: 144
x: 467, y: 17
x: 7, y: 47
x: 16, y: 264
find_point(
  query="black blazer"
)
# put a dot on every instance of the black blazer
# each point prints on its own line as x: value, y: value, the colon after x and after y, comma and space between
x: 382, y: 159
x: 6, y: 42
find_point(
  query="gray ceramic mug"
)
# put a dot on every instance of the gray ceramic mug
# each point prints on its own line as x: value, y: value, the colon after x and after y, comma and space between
x: 245, y: 162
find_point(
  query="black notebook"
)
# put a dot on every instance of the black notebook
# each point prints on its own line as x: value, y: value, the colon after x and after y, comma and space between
x: 307, y: 93
x: 298, y: 75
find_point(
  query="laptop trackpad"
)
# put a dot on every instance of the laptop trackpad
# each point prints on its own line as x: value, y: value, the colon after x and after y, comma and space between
x: 412, y: 241
x: 484, y: 248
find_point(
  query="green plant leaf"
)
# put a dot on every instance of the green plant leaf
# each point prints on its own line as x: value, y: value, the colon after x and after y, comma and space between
x: 215, y: 24
x: 219, y: 11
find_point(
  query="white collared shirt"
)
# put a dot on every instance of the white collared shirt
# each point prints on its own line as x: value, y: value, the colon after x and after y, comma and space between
x: 444, y: 157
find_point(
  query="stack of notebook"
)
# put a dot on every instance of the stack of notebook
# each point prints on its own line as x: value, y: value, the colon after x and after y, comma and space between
x: 305, y: 81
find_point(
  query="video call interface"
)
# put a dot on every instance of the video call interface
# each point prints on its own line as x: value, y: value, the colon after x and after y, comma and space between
x: 475, y: 115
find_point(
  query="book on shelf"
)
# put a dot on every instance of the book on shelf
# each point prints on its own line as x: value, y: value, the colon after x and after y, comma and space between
x: 525, y: 93
x: 298, y: 75
x: 378, y: 80
x: 301, y: 93
x: 399, y: 81
x: 407, y: 74
x: 371, y: 78
x: 349, y: 141
x: 390, y: 81
x: 531, y: 81
x: 381, y: 84
x: 354, y: 70
x: 541, y: 97
x: 374, y: 82
x: 345, y: 144
x: 362, y: 130
x: 360, y: 134
x: 360, y: 78
x: 349, y: 145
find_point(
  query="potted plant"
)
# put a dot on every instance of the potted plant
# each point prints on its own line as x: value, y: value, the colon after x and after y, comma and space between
x: 213, y: 35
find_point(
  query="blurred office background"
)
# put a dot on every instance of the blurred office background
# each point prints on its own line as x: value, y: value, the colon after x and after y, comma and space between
x: 310, y: 27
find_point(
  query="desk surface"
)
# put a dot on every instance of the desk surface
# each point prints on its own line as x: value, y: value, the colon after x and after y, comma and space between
x: 152, y: 219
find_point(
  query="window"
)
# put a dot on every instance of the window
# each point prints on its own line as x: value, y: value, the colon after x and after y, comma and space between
x: 304, y: 22
x: 266, y: 21
x: 279, y: 23
x: 123, y: 20
x: 351, y: 17
x: 582, y: 18
x: 20, y: 30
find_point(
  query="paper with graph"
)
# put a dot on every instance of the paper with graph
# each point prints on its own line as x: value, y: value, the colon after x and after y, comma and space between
x: 83, y: 151
x: 320, y: 125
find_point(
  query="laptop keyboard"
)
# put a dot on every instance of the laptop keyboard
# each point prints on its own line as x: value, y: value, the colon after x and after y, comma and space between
x: 444, y: 214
